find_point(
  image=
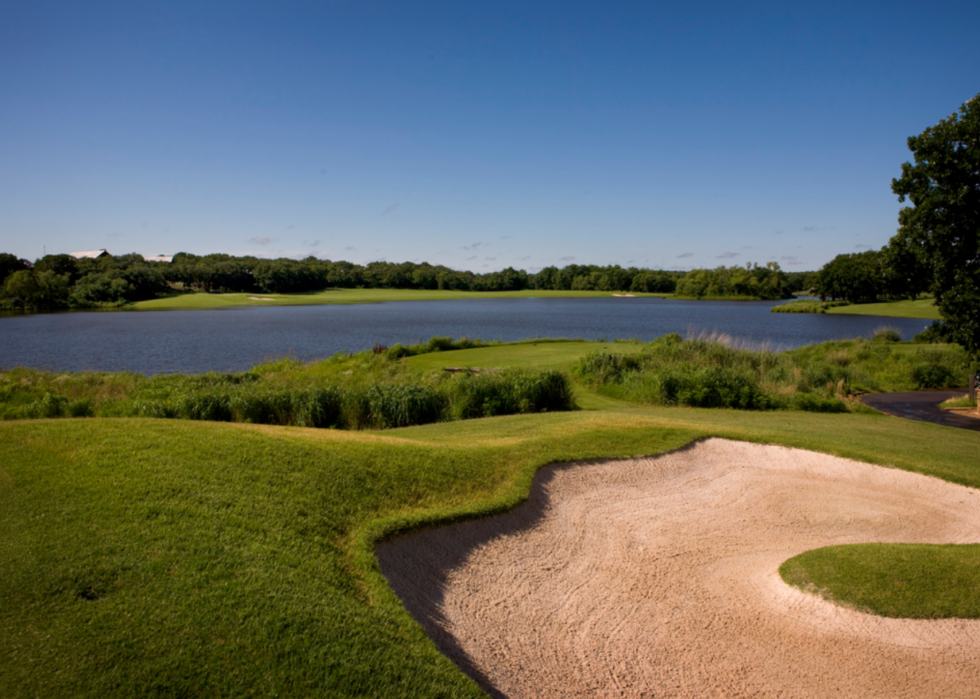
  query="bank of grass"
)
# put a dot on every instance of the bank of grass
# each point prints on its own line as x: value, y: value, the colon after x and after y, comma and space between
x: 192, y: 301
x: 147, y: 557
x: 917, y: 581
x: 714, y: 372
x: 920, y: 308
x: 808, y: 306
x: 159, y: 558
x: 372, y: 389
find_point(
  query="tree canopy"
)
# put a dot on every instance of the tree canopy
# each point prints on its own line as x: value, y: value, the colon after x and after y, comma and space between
x: 941, y: 230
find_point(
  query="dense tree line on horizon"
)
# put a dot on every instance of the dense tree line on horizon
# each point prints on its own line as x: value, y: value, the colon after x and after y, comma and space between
x: 61, y: 281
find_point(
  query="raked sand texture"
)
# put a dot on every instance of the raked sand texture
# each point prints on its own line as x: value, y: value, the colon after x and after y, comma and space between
x: 659, y: 577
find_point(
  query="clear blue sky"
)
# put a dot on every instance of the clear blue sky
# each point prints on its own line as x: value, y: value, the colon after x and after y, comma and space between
x: 476, y: 135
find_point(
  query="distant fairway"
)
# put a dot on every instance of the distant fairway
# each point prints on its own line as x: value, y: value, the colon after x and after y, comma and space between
x: 351, y: 296
x: 920, y: 308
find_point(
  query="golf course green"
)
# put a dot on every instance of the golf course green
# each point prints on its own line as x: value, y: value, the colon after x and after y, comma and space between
x: 161, y: 557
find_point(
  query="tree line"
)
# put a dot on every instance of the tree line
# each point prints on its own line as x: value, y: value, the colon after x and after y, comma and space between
x: 61, y: 281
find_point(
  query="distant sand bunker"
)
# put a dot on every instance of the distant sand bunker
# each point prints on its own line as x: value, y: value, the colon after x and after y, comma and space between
x: 658, y: 577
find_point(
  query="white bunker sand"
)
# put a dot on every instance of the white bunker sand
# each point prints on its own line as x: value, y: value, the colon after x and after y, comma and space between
x: 659, y: 577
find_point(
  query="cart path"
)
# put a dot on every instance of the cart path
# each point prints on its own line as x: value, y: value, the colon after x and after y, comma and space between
x: 922, y: 406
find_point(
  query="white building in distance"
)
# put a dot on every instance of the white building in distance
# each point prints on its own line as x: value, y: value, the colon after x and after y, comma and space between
x: 93, y: 254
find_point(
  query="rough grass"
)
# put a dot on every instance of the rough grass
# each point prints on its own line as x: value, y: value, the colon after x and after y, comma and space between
x: 808, y: 306
x: 372, y: 389
x: 917, y: 581
x: 710, y: 372
x: 964, y: 401
x: 148, y: 557
x: 350, y: 296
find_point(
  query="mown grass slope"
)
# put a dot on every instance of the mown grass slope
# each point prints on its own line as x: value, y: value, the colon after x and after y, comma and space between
x: 174, y: 558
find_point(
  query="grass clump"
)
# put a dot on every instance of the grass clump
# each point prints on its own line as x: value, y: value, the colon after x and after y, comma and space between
x: 808, y: 306
x: 964, y: 401
x: 916, y: 581
x: 713, y: 373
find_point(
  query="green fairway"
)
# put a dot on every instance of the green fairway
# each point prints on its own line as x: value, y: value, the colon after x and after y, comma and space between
x: 532, y: 354
x: 148, y: 557
x: 920, y: 308
x: 350, y: 296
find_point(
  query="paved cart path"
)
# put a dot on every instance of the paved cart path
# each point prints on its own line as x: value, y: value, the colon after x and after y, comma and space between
x: 922, y: 406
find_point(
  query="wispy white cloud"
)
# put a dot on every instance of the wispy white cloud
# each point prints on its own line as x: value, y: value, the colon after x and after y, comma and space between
x: 686, y: 254
x: 258, y: 240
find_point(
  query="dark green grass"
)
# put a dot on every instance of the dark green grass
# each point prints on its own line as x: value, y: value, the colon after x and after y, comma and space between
x: 917, y: 581
x: 808, y: 306
x: 920, y: 308
x: 373, y: 389
x: 713, y: 372
x: 172, y: 558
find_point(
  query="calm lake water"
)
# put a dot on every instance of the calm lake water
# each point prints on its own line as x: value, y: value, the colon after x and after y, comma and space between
x: 236, y: 339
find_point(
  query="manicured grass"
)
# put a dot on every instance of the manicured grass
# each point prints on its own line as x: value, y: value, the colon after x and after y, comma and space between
x: 149, y: 557
x: 165, y: 558
x: 350, y: 296
x: 531, y: 354
x: 916, y: 581
x: 920, y: 308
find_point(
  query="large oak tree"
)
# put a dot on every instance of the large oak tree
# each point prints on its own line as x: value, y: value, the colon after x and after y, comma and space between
x: 942, y: 227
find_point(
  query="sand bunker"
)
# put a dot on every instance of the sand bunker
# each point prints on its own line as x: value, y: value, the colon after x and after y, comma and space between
x: 659, y: 577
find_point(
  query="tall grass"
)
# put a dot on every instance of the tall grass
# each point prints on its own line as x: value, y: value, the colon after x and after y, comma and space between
x: 367, y: 390
x: 710, y: 372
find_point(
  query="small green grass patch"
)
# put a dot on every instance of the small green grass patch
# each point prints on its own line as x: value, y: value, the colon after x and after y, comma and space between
x: 914, y: 581
x: 920, y: 308
x: 964, y: 401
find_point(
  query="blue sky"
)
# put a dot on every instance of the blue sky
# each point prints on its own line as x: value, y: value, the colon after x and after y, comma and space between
x: 476, y: 135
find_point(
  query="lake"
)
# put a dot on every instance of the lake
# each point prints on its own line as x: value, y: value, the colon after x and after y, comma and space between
x: 236, y: 339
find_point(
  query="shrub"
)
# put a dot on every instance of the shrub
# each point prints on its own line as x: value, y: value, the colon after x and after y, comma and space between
x: 213, y: 407
x: 507, y: 392
x: 816, y: 404
x: 886, y: 335
x: 607, y: 367
x: 403, y: 405
x: 318, y: 407
x: 938, y: 332
x: 932, y: 375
